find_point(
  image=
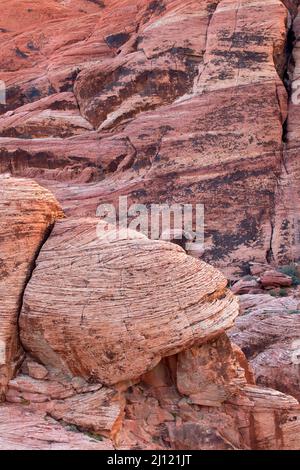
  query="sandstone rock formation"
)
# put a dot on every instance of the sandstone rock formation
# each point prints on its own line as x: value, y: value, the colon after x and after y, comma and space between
x: 268, y: 332
x: 126, y: 343
x: 114, y: 309
x: 164, y: 101
x: 23, y: 429
x: 237, y: 416
x: 129, y: 339
x: 27, y: 213
x: 271, y: 279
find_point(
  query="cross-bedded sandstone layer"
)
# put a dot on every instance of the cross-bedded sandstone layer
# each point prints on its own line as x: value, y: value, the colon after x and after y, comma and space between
x: 27, y: 213
x: 166, y: 101
x: 125, y: 343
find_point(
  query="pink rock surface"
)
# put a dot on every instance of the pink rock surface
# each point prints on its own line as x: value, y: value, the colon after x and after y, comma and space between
x: 118, y: 306
x: 271, y: 279
x: 246, y: 286
x: 268, y: 333
x: 25, y: 429
x: 170, y: 101
x: 27, y: 213
x: 158, y: 416
x: 176, y: 101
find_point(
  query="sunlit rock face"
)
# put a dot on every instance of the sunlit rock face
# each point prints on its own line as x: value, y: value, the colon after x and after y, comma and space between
x: 124, y: 342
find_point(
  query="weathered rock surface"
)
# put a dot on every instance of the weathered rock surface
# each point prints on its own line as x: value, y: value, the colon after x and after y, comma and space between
x: 165, y: 101
x: 148, y: 321
x: 91, y: 408
x: 209, y: 375
x: 246, y: 286
x: 177, y: 101
x: 286, y: 236
x: 111, y: 311
x: 27, y: 213
x: 268, y: 333
x: 273, y: 278
x: 24, y: 429
x: 158, y: 416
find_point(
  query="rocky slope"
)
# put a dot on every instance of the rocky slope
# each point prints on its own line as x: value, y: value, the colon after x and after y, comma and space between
x: 129, y: 343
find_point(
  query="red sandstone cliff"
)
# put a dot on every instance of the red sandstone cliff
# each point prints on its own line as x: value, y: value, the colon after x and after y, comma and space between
x: 164, y: 101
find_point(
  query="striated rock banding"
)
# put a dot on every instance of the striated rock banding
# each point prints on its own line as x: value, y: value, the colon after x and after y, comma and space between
x: 269, y: 334
x: 110, y: 311
x: 27, y: 212
x: 165, y: 101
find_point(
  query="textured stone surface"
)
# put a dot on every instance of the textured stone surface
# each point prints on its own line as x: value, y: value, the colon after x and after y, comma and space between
x: 271, y: 279
x: 53, y: 116
x: 27, y: 213
x: 166, y: 101
x: 110, y: 311
x: 91, y: 408
x: 269, y: 333
x: 25, y: 429
x: 158, y: 416
x: 209, y: 375
x: 177, y: 101
x: 286, y: 236
x: 246, y: 286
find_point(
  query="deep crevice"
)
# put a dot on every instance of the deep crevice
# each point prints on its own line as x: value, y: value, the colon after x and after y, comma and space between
x: 289, y: 65
x: 31, y: 269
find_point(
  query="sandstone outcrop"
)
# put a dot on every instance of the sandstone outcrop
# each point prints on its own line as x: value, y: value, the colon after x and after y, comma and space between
x: 114, y: 309
x: 27, y: 213
x: 24, y: 429
x: 271, y: 279
x: 245, y: 416
x: 246, y: 286
x: 176, y: 101
x: 268, y: 333
x: 90, y: 408
x: 126, y: 344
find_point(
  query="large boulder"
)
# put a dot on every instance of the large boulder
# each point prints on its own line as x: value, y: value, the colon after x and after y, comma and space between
x: 272, y: 278
x: 110, y: 310
x: 27, y: 214
x: 177, y: 101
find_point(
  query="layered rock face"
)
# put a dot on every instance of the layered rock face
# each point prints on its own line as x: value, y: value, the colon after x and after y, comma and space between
x: 125, y: 343
x: 269, y: 334
x: 128, y: 343
x: 27, y: 213
x: 165, y: 101
x: 116, y: 322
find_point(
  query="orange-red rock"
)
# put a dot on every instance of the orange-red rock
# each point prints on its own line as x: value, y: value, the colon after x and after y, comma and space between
x: 109, y: 311
x: 273, y: 278
x: 250, y: 417
x: 27, y: 214
x: 22, y: 428
x: 268, y: 332
x: 169, y: 101
x: 177, y: 100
